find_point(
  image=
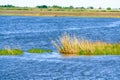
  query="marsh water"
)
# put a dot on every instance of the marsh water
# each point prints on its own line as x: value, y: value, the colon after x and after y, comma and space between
x: 37, y: 32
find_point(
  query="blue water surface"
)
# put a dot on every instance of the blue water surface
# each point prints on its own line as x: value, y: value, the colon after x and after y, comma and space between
x: 37, y: 32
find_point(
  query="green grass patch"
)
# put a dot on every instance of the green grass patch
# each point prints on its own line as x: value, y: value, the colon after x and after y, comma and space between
x: 111, y: 49
x: 11, y: 52
x: 37, y: 50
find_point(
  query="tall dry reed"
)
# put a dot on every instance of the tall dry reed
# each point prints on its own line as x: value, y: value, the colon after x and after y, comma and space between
x: 72, y: 46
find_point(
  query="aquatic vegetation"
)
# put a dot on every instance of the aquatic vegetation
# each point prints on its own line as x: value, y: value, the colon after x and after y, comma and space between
x: 10, y: 52
x: 72, y: 46
x: 37, y: 50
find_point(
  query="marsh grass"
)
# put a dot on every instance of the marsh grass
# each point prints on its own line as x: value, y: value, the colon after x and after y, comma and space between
x: 37, y: 50
x: 72, y: 46
x: 63, y: 12
x: 10, y: 52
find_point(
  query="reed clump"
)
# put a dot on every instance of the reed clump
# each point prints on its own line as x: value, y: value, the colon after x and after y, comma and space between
x: 72, y: 46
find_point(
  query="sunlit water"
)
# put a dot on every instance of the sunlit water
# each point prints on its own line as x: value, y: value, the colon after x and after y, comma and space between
x: 37, y: 32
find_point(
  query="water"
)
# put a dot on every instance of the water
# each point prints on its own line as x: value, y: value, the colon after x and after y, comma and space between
x: 37, y: 32
x: 55, y: 67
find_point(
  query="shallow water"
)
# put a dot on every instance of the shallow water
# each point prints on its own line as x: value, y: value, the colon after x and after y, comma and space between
x: 37, y: 32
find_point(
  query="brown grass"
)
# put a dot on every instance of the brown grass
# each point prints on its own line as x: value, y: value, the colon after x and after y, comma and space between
x: 38, y: 12
x: 72, y: 46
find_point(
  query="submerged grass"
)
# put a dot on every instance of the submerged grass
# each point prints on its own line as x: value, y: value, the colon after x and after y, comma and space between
x: 37, y: 50
x: 72, y: 46
x: 10, y: 52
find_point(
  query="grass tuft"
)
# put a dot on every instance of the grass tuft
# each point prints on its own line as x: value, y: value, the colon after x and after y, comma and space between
x: 10, y: 52
x: 37, y: 50
x: 72, y: 46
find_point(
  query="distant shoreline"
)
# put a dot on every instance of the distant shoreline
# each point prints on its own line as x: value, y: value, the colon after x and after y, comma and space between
x: 59, y: 13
